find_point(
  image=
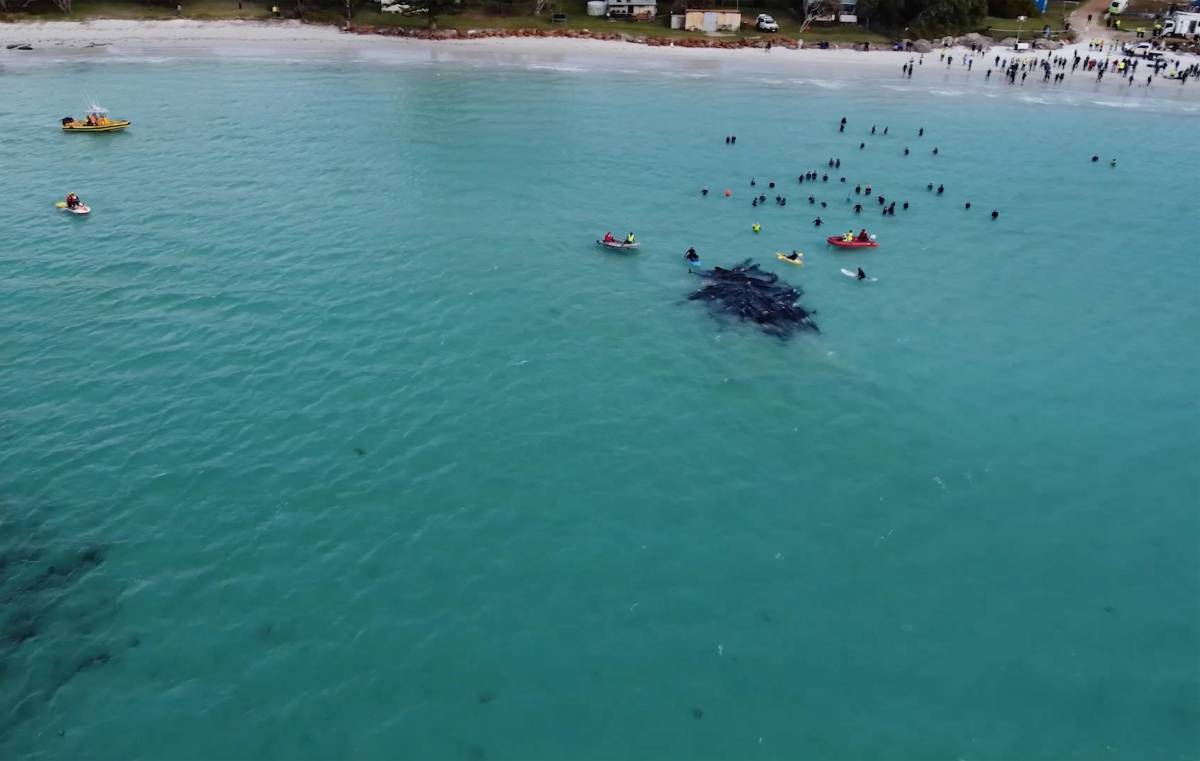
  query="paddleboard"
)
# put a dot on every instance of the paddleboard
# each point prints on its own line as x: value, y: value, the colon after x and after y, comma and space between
x: 784, y: 258
x: 854, y: 275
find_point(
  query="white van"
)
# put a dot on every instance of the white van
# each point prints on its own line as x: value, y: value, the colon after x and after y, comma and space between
x: 1117, y: 7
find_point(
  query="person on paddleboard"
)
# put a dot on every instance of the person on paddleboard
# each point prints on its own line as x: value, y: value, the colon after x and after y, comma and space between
x: 861, y: 275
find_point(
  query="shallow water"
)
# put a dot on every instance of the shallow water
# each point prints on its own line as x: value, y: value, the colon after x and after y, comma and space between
x: 342, y: 440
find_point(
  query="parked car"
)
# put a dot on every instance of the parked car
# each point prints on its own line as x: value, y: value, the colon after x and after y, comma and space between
x: 1142, y: 49
x: 765, y: 23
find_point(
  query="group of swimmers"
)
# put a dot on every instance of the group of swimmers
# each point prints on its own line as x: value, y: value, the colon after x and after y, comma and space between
x: 691, y: 257
x: 887, y: 208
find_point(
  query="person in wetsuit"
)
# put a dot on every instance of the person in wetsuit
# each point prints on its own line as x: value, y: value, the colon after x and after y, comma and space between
x: 861, y: 275
x: 691, y: 255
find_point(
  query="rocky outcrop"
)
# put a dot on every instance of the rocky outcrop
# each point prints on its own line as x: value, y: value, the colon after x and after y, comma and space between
x: 1043, y: 44
x: 975, y: 39
x: 922, y: 46
x: 1008, y: 42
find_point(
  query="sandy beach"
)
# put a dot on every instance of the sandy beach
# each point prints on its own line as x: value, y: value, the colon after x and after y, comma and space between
x: 293, y: 41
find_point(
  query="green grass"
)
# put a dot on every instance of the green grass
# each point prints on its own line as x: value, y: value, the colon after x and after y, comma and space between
x: 516, y: 16
x: 521, y: 18
x: 196, y: 9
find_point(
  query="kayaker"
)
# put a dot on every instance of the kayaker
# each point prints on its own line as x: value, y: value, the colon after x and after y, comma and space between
x: 630, y: 240
x: 861, y: 275
x: 794, y: 256
x: 691, y: 255
x: 608, y: 238
x: 72, y: 200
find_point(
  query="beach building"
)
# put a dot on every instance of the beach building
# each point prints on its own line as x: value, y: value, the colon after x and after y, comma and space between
x: 641, y: 10
x: 845, y: 12
x: 712, y: 20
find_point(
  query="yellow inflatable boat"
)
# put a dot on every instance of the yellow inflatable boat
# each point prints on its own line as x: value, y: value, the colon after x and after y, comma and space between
x: 96, y: 121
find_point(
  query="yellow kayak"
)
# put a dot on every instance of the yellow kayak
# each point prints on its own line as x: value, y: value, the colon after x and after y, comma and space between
x: 105, y: 125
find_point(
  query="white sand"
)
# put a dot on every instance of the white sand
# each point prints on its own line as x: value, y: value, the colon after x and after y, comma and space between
x: 56, y: 40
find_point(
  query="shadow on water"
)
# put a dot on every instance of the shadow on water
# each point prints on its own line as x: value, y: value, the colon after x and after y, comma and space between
x: 55, y: 613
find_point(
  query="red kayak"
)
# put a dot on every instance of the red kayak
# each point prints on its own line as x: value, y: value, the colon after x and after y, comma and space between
x: 835, y: 240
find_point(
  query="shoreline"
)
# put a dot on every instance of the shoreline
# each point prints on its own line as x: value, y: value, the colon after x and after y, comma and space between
x: 294, y: 41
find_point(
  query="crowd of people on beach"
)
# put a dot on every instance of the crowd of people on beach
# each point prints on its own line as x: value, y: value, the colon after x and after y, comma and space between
x: 1054, y: 68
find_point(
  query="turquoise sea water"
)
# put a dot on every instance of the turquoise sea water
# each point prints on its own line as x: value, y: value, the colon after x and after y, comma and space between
x: 331, y: 434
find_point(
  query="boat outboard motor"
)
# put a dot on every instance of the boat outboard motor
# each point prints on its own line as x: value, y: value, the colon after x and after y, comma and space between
x: 68, y: 120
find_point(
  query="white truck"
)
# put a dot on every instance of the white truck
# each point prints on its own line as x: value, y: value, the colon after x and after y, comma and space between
x: 1182, y: 24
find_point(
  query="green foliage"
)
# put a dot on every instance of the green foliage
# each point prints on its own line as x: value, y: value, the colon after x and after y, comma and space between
x: 1012, y: 8
x: 925, y: 17
x: 948, y: 16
